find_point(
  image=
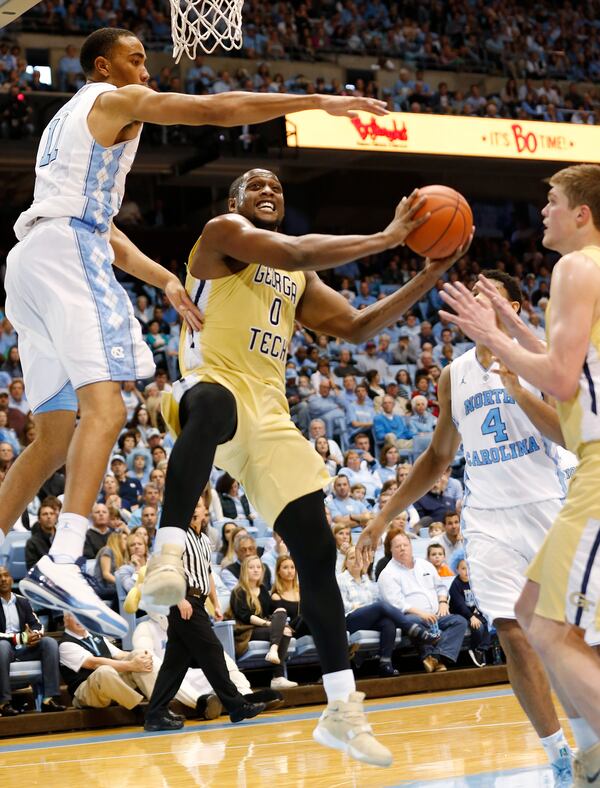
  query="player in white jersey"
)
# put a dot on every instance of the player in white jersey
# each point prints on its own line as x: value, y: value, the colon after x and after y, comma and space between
x: 514, y: 488
x: 77, y: 336
x: 560, y: 605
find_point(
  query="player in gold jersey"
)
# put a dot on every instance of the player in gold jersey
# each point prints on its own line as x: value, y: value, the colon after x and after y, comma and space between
x: 252, y: 282
x: 561, y: 601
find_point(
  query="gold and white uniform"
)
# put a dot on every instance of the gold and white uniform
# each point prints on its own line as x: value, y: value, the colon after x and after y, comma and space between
x: 568, y: 565
x: 249, y: 322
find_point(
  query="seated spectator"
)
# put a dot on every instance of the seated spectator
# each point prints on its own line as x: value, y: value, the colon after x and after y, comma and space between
x: 150, y: 498
x: 235, y: 506
x: 137, y: 557
x: 98, y: 532
x: 195, y: 691
x: 130, y: 490
x: 97, y: 673
x: 358, y: 472
x: 42, y: 534
x: 133, y: 399
x: 388, y: 461
x: 252, y: 605
x: 329, y: 406
x: 228, y: 533
x: 17, y: 399
x: 244, y: 546
x: 369, y: 361
x: 22, y: 639
x: 345, y: 366
x: 157, y: 342
x: 452, y: 539
x: 362, y: 444
x: 158, y: 477
x: 391, y: 428
x: 361, y: 412
x: 343, y: 508
x: 365, y: 610
x: 421, y: 422
x: 316, y: 430
x: 343, y: 540
x: 8, y: 435
x: 436, y: 555
x: 452, y: 487
x: 127, y: 443
x: 359, y: 492
x: 12, y: 365
x: 286, y: 594
x: 463, y: 603
x: 70, y: 77
x: 434, y: 504
x: 413, y: 586
x: 110, y: 558
x: 405, y: 351
x: 141, y: 462
x: 140, y: 421
x: 298, y: 407
x: 436, y: 529
x: 373, y: 382
x: 322, y: 449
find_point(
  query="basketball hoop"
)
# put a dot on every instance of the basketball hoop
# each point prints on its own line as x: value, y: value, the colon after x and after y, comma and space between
x: 206, y: 24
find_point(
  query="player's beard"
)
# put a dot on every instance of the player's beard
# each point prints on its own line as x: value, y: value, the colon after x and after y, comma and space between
x: 274, y: 226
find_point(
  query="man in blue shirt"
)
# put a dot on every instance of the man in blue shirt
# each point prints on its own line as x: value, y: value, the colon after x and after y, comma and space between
x: 388, y: 422
x: 329, y: 406
x: 345, y: 509
x: 361, y: 412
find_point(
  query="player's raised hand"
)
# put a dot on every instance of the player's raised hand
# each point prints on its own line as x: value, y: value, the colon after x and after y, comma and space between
x: 404, y: 221
x: 368, y: 541
x: 475, y: 316
x: 509, y: 318
x: 177, y: 295
x: 349, y: 106
x: 443, y: 264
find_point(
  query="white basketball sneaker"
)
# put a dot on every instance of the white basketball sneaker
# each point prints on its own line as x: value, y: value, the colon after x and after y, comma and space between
x: 165, y: 583
x: 63, y: 587
x: 343, y: 726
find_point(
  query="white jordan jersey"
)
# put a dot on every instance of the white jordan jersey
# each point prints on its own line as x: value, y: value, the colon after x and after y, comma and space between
x: 75, y: 176
x: 508, y: 461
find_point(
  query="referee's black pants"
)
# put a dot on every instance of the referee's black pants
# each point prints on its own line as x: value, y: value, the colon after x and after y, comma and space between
x: 192, y: 644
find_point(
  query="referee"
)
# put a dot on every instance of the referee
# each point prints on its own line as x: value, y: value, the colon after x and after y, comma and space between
x: 191, y: 641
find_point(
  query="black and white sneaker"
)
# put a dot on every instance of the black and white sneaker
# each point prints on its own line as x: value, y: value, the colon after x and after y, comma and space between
x: 478, y: 657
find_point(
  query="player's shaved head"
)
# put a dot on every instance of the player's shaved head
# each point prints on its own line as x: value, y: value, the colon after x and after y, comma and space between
x: 100, y: 44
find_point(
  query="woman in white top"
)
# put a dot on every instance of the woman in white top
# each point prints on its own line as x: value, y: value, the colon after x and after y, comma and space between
x: 364, y: 610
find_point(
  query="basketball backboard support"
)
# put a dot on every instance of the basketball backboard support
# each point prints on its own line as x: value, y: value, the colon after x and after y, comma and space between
x: 12, y: 9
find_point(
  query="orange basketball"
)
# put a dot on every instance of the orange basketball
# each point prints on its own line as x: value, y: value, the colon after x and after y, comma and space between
x: 448, y: 227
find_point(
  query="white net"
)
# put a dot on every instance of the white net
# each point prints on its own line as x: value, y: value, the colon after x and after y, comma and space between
x: 205, y: 24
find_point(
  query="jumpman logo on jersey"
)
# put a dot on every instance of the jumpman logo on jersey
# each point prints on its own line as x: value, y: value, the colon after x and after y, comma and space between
x: 463, y: 381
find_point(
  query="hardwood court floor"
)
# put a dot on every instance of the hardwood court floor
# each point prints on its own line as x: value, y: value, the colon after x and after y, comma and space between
x: 451, y: 739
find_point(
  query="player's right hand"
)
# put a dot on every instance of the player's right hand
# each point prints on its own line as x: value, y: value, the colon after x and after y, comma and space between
x: 368, y: 542
x: 404, y: 221
x: 349, y: 106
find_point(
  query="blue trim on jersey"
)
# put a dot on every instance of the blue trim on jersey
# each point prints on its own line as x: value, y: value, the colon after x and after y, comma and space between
x: 110, y: 300
x: 103, y: 167
x: 586, y: 576
x: 588, y: 377
x: 65, y: 399
x: 552, y: 454
x: 201, y: 286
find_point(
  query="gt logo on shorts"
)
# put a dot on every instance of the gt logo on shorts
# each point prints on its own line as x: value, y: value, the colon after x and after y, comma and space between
x: 117, y: 352
x: 578, y: 600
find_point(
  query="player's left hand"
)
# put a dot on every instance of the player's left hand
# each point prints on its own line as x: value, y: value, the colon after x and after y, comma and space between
x: 443, y: 264
x: 510, y: 381
x: 349, y: 106
x: 475, y: 316
x: 177, y: 295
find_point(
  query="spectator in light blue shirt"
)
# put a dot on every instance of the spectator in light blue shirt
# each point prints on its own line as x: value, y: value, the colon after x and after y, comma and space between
x: 364, y: 297
x: 361, y: 412
x: 422, y: 421
x: 344, y: 509
x: 329, y: 406
x: 389, y: 423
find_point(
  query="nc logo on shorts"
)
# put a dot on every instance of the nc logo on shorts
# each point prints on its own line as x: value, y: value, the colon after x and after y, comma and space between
x: 578, y: 600
x: 117, y: 352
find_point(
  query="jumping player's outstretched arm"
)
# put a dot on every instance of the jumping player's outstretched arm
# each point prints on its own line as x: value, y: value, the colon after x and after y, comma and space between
x: 139, y: 104
x: 425, y: 473
x: 575, y: 286
x: 132, y: 260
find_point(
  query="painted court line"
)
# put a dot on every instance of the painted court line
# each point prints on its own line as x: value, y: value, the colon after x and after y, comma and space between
x: 199, y: 728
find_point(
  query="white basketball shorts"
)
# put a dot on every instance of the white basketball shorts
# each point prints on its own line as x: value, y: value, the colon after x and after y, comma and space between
x: 74, y: 321
x: 499, y: 545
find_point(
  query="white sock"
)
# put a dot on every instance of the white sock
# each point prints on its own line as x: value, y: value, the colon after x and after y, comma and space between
x: 169, y: 535
x: 67, y: 545
x: 554, y: 744
x: 339, y: 685
x: 584, y: 735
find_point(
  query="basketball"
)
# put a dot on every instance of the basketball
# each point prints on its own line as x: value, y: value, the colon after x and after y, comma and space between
x: 448, y: 227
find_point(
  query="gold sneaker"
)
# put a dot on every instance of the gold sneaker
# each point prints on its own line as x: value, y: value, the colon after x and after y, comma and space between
x: 343, y: 726
x: 586, y: 767
x: 164, y: 584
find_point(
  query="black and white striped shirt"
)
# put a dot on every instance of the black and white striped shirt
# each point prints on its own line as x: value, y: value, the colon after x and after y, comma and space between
x: 196, y: 561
